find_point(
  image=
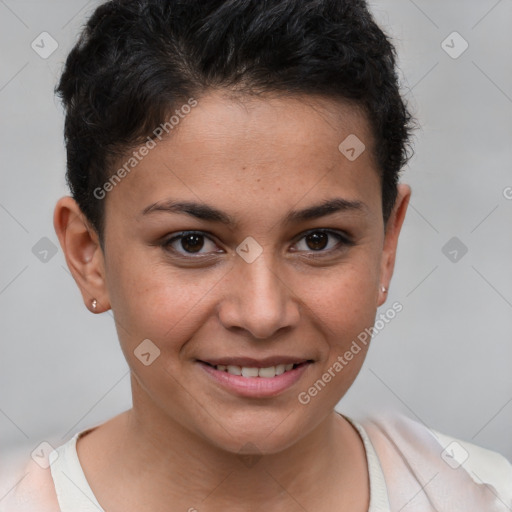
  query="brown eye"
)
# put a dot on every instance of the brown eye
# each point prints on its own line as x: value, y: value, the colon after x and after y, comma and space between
x: 317, y: 240
x: 190, y: 243
x: 323, y: 242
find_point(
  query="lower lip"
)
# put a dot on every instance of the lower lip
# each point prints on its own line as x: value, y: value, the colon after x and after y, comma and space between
x: 256, y: 387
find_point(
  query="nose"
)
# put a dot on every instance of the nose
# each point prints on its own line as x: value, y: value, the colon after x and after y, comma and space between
x: 258, y: 299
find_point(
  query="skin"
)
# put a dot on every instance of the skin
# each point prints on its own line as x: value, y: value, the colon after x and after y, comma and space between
x: 256, y: 160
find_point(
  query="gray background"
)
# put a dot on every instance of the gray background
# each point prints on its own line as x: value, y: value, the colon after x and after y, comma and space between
x: 444, y: 360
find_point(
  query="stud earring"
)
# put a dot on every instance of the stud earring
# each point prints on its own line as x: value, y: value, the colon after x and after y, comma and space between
x: 94, y: 304
x: 384, y: 289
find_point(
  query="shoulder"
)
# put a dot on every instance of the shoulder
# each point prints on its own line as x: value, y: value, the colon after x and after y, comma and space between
x: 482, y: 464
x: 412, y: 452
x: 28, y: 488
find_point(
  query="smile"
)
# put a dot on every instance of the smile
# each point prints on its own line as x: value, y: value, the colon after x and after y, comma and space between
x: 255, y: 379
x: 253, y: 372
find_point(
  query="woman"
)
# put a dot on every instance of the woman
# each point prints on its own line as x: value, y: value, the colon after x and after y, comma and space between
x: 235, y: 201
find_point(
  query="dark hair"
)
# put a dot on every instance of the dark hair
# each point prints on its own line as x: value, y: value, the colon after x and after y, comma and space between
x: 137, y: 60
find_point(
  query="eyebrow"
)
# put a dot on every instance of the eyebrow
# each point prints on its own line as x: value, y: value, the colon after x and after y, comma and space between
x: 209, y: 213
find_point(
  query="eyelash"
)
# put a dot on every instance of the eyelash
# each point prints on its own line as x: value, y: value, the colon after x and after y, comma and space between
x: 344, y: 241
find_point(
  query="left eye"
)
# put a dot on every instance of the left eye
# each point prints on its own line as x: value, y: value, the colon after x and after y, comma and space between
x: 318, y: 241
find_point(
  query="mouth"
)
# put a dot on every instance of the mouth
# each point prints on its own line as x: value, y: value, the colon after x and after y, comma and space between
x: 252, y: 378
x: 251, y: 372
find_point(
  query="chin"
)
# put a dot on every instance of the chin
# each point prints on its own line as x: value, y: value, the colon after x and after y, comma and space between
x: 258, y: 432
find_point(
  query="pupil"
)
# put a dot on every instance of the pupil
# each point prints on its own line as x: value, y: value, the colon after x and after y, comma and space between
x: 317, y: 240
x: 192, y: 243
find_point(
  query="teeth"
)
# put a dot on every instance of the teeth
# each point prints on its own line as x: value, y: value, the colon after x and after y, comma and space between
x: 245, y: 371
x: 266, y: 372
x: 234, y: 370
x: 249, y: 372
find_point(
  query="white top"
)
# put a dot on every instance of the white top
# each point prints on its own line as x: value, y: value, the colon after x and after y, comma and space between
x: 75, y: 495
x: 410, y: 467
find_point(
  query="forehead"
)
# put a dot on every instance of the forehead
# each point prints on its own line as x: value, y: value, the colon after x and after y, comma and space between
x: 270, y: 129
x: 272, y: 150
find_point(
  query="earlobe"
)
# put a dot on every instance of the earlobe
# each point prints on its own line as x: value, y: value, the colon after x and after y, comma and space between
x: 84, y: 256
x: 393, y: 229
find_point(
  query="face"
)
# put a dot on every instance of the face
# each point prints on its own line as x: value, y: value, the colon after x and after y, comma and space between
x: 255, y: 272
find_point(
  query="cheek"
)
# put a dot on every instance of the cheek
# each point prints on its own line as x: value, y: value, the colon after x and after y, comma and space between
x: 157, y: 302
x: 342, y: 306
x: 344, y: 298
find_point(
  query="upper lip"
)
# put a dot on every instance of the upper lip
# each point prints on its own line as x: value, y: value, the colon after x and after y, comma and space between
x: 249, y: 362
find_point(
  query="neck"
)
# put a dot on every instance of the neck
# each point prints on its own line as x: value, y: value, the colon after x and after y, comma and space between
x: 182, y: 468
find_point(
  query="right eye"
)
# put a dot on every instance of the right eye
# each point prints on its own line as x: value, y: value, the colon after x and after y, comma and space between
x: 188, y: 243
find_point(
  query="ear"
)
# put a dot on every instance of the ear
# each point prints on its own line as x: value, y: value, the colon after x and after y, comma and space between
x: 84, y: 256
x: 393, y: 227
